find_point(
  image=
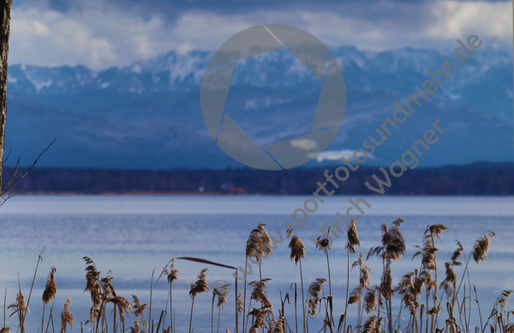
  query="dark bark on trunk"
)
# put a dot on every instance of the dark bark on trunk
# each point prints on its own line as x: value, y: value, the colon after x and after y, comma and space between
x: 5, y: 19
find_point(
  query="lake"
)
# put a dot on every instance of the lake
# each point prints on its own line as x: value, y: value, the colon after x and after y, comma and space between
x: 129, y: 236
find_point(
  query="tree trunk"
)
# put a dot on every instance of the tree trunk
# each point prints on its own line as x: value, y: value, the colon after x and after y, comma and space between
x: 5, y: 19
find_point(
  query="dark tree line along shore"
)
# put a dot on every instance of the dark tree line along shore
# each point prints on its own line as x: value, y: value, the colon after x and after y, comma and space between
x: 474, y: 179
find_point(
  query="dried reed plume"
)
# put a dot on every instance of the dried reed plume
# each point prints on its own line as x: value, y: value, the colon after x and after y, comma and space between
x: 410, y: 289
x: 201, y: 285
x: 96, y: 295
x: 51, y: 288
x: 448, y: 285
x: 240, y: 302
x: 122, y: 304
x: 173, y: 273
x: 378, y: 325
x: 66, y: 316
x: 457, y: 254
x: 428, y: 260
x: 92, y: 274
x: 323, y: 243
x: 355, y: 295
x: 386, y: 284
x: 412, y: 303
x: 372, y: 325
x: 419, y: 282
x: 365, y: 272
x: 136, y: 327
x: 364, y: 283
x: 393, y: 248
x: 139, y: 309
x: 221, y: 300
x: 315, y: 290
x: 258, y: 319
x: 437, y: 229
x: 393, y: 242
x: 406, y: 284
x: 427, y: 279
x: 253, y: 245
x: 258, y: 244
x: 429, y: 263
x: 280, y: 325
x: 20, y: 306
x: 259, y: 293
x: 297, y: 253
x: 502, y: 300
x: 48, y: 294
x: 369, y: 325
x: 370, y: 300
x: 106, y: 283
x: 434, y: 311
x: 266, y: 240
x: 365, y: 276
x: 312, y: 304
x: 481, y: 246
x: 359, y: 262
x: 316, y: 287
x: 297, y: 249
x: 222, y: 292
x: 353, y: 238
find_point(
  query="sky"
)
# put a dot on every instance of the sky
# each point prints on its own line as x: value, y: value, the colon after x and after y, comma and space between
x: 101, y: 34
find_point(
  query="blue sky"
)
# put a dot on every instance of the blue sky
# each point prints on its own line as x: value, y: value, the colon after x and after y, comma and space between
x: 101, y: 33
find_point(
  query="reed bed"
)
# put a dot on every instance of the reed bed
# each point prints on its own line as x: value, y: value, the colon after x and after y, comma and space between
x: 418, y: 302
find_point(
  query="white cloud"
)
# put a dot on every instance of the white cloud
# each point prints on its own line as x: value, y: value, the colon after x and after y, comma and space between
x: 52, y: 38
x: 456, y: 19
x: 101, y: 35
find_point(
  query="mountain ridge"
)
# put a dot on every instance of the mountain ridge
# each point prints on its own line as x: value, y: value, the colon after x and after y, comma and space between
x: 148, y: 114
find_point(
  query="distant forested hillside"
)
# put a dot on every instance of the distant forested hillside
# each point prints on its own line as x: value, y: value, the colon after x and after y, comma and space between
x: 473, y: 179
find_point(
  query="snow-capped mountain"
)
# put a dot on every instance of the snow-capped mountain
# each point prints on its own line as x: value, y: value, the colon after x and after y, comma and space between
x: 147, y: 115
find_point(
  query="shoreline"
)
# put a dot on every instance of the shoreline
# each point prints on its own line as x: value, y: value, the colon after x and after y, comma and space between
x: 247, y: 194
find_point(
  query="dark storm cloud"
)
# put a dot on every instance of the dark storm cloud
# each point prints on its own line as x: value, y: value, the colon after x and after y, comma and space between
x: 175, y: 7
x: 372, y: 9
x: 414, y: 15
x: 227, y: 6
x: 102, y: 33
